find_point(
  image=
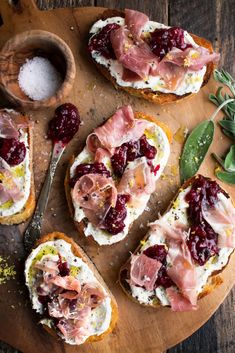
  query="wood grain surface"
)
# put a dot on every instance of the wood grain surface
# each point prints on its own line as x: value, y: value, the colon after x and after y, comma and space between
x: 215, y: 21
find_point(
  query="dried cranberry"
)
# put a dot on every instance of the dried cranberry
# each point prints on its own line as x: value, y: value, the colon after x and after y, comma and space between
x: 129, y: 151
x: 146, y: 149
x: 114, y: 220
x: 63, y: 267
x: 202, y: 241
x: 101, y: 42
x: 44, y: 299
x: 12, y: 151
x: 65, y: 123
x: 163, y: 40
x: 163, y: 279
x: 159, y: 252
x: 89, y: 168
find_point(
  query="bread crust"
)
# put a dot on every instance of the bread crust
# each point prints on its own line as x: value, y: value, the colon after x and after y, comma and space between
x: 80, y: 226
x: 154, y: 96
x: 29, y: 206
x: 213, y: 281
x: 79, y: 252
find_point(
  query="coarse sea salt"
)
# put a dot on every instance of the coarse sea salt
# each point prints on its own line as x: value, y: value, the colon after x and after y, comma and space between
x: 38, y: 78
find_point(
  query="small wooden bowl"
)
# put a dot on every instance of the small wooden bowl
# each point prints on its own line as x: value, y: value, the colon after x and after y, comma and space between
x: 26, y: 45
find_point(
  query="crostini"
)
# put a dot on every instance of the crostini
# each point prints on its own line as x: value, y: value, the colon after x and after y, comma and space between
x: 148, y: 59
x: 181, y: 256
x: 17, y: 196
x: 110, y: 182
x: 67, y: 291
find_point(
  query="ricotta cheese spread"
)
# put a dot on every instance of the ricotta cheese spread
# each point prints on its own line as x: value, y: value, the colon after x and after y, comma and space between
x: 190, y: 84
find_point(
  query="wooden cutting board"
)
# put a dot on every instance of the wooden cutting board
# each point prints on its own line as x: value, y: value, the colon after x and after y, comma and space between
x: 139, y: 329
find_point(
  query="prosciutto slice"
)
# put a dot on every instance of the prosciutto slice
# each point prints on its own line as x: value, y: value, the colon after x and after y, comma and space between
x: 96, y: 194
x: 176, y: 63
x: 135, y: 21
x: 71, y: 302
x: 120, y: 128
x: 134, y: 56
x: 222, y: 219
x: 137, y: 182
x: 139, y: 61
x: 7, y: 127
x: 178, y: 302
x: 144, y: 271
x: 182, y: 271
x: 9, y: 190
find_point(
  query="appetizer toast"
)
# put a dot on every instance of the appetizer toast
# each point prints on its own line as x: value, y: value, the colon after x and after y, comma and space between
x: 110, y: 182
x: 180, y: 258
x: 17, y: 195
x: 150, y: 60
x: 67, y: 291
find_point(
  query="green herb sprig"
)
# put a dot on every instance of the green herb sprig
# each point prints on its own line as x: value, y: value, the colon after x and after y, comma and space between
x: 228, y: 164
x: 228, y: 122
x: 197, y: 145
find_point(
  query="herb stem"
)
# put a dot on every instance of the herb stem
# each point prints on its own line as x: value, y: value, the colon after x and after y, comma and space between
x: 220, y: 107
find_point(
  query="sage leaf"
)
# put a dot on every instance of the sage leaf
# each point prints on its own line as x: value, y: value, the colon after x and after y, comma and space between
x: 195, y: 149
x: 229, y: 162
x: 226, y: 177
x: 228, y: 125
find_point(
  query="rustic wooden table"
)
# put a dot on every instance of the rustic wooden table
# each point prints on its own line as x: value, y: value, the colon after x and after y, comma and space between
x: 212, y: 19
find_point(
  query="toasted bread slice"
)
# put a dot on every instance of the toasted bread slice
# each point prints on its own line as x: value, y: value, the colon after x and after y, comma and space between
x: 82, y: 225
x: 213, y: 279
x: 29, y: 205
x: 79, y: 253
x: 154, y: 96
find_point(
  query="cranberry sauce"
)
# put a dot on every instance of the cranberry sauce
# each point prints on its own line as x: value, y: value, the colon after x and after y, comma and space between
x: 164, y: 39
x: 89, y: 168
x: 101, y: 42
x: 12, y: 151
x: 65, y: 123
x: 129, y: 151
x: 63, y: 267
x: 202, y: 241
x: 114, y: 220
x: 159, y: 252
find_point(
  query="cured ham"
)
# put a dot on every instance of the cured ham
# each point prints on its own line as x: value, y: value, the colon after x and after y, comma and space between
x: 9, y: 190
x: 70, y: 302
x: 7, y: 126
x: 139, y: 61
x: 138, y: 181
x: 144, y: 271
x: 135, y: 21
x: 96, y: 194
x: 182, y: 271
x: 222, y: 219
x: 192, y: 58
x: 178, y: 302
x: 120, y: 128
x: 136, y: 57
x: 176, y: 63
